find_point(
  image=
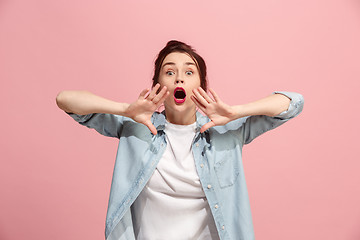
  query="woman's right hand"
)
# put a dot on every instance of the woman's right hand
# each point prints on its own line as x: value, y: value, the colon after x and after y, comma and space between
x: 142, y: 109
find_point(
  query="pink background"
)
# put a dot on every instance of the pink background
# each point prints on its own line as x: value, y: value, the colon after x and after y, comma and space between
x: 55, y: 175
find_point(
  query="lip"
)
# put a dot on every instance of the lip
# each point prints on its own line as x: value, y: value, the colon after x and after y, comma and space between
x: 177, y: 100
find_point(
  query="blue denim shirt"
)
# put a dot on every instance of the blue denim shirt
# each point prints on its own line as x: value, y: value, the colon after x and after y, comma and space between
x: 218, y: 160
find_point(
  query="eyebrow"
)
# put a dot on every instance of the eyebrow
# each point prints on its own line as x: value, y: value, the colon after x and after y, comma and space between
x: 172, y: 63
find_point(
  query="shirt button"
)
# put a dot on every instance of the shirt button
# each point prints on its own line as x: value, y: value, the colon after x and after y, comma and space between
x: 216, y: 206
x: 223, y: 227
x: 209, y: 186
x: 201, y: 165
x: 197, y: 145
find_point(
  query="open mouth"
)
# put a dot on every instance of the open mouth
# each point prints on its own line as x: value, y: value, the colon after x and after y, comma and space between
x: 179, y: 95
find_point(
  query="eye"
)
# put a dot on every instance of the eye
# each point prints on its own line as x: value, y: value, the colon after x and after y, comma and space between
x: 170, y: 73
x: 189, y: 73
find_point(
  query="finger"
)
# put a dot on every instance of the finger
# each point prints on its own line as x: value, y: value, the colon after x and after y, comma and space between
x: 207, y: 126
x: 143, y: 93
x: 160, y: 95
x: 205, y: 95
x: 151, y: 127
x: 162, y: 99
x: 200, y: 98
x: 198, y: 104
x: 153, y: 92
x: 216, y: 97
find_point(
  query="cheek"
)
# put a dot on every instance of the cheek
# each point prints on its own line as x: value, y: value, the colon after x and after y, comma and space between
x: 197, y: 83
x: 164, y: 81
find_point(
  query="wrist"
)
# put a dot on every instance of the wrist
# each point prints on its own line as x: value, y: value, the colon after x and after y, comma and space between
x: 237, y: 112
x: 124, y: 110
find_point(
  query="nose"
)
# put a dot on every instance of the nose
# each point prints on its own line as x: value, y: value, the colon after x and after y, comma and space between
x: 179, y: 79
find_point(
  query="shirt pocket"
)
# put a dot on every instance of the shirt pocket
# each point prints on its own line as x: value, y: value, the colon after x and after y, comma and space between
x: 226, y: 168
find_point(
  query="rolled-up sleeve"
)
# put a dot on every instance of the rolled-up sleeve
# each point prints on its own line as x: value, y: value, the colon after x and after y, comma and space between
x: 256, y: 125
x: 109, y: 125
x: 295, y: 107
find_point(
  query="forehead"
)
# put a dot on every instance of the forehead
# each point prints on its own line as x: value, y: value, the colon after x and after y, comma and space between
x: 178, y: 58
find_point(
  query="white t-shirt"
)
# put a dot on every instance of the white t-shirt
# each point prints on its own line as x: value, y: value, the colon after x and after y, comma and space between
x: 173, y: 204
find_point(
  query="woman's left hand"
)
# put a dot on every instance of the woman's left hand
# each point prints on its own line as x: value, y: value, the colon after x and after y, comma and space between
x: 218, y: 112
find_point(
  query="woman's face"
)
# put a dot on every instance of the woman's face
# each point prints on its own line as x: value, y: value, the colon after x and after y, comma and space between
x: 180, y: 75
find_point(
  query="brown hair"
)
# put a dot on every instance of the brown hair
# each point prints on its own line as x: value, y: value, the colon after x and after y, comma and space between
x: 177, y: 46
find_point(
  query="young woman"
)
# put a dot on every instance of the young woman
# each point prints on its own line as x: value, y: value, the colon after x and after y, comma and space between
x: 179, y: 174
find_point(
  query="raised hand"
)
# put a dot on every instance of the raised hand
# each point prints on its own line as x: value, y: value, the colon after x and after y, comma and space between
x: 218, y: 112
x: 142, y: 109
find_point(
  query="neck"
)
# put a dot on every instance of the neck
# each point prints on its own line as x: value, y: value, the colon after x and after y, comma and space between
x: 181, y: 118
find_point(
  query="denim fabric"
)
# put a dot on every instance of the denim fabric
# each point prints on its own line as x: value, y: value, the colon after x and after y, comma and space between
x: 218, y: 160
